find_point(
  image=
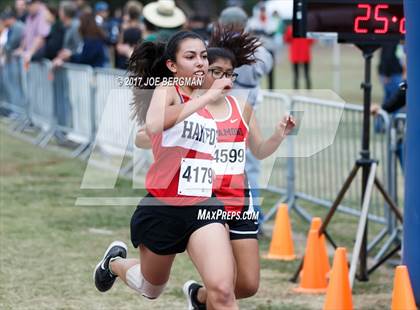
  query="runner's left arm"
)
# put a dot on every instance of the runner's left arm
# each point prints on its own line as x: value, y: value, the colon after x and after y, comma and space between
x: 260, y: 147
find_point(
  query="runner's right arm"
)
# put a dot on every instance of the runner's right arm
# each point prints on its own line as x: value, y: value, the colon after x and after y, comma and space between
x: 142, y: 139
x: 165, y: 99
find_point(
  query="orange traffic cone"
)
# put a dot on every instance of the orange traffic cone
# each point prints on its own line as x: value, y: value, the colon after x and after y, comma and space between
x: 316, y: 224
x: 313, y: 278
x: 339, y: 292
x: 402, y: 296
x: 281, y: 246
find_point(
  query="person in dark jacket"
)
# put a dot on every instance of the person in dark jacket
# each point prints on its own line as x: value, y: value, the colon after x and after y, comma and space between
x: 130, y: 34
x: 395, y: 103
x: 93, y: 50
x: 54, y: 41
x: 390, y: 70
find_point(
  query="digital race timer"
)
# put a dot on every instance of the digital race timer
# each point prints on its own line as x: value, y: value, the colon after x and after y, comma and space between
x: 372, y: 21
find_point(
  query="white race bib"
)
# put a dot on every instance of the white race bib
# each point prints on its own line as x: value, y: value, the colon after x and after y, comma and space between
x: 229, y: 158
x: 195, y: 177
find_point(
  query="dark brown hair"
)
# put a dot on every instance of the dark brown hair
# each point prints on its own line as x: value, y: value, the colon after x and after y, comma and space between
x: 226, y: 43
x: 88, y: 27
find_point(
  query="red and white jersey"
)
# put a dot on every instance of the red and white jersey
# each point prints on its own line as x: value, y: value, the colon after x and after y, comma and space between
x: 229, y: 159
x: 182, y: 170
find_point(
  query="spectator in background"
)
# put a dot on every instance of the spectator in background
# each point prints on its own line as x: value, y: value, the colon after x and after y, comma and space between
x: 395, y: 103
x: 54, y: 41
x: 200, y: 25
x: 114, y: 25
x: 164, y: 18
x: 299, y: 56
x: 71, y: 43
x: 109, y: 27
x: 93, y: 50
x: 390, y: 72
x: 101, y: 13
x: 278, y: 34
x: 21, y: 12
x: 10, y: 40
x: 148, y: 30
x: 4, y: 95
x: 37, y: 29
x: 265, y: 26
x: 249, y: 77
x: 130, y: 33
x: 3, y: 40
x: 72, y: 40
x: 117, y: 17
x: 15, y: 32
x: 81, y: 7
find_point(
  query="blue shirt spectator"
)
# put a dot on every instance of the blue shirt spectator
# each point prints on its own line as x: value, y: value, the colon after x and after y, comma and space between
x: 93, y: 50
x: 92, y: 53
x: 16, y: 31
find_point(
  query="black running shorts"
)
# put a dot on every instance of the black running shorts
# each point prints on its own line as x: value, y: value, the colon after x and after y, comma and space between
x: 244, y: 226
x: 166, y: 229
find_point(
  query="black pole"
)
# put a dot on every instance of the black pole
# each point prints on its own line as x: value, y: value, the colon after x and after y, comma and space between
x: 271, y: 73
x: 365, y: 152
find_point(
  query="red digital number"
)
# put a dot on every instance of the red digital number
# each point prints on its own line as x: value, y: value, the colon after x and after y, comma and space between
x: 402, y: 25
x: 359, y: 19
x: 381, y: 18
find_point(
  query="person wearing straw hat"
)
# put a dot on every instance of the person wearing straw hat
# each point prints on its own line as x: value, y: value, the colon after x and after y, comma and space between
x: 164, y: 17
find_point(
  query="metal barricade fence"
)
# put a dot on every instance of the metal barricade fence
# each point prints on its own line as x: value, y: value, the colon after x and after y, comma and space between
x: 268, y: 113
x: 40, y: 98
x: 12, y: 95
x: 396, y: 154
x: 116, y: 128
x: 113, y: 111
x: 74, y: 94
x: 318, y: 178
x: 4, y: 96
x: 395, y: 165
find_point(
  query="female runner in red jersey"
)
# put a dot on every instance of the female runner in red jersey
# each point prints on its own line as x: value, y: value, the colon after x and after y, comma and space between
x: 179, y: 182
x: 237, y: 128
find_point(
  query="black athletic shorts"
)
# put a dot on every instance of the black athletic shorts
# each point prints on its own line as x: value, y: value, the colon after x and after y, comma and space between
x: 166, y: 229
x: 244, y: 226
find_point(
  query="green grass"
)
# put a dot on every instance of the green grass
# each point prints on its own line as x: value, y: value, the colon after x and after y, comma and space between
x: 49, y: 246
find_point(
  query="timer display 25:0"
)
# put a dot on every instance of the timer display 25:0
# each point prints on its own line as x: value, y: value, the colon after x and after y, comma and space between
x: 354, y: 21
x: 378, y: 13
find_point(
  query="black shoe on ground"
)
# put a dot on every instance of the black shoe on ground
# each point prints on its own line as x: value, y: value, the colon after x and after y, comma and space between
x: 190, y: 288
x: 102, y: 276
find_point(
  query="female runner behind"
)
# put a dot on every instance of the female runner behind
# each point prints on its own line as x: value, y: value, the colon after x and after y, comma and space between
x: 165, y: 221
x: 237, y: 127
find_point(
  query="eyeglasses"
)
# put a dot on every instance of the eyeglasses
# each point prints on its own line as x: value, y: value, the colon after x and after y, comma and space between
x: 218, y: 74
